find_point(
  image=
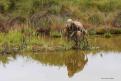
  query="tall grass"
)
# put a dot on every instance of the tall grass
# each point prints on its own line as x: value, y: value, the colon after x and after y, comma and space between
x: 87, y: 11
x: 27, y: 40
x: 94, y: 12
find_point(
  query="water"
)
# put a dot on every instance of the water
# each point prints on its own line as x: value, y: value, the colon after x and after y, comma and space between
x: 100, y: 64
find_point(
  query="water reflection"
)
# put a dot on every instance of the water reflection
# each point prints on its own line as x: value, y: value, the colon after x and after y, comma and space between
x: 79, y: 65
x: 106, y: 44
x: 75, y: 63
x: 4, y: 59
x: 94, y: 68
x: 73, y: 60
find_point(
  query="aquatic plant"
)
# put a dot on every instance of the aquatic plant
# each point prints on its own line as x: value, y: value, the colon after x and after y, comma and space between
x: 107, y: 35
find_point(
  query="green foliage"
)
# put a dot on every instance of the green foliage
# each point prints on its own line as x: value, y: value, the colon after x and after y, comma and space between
x: 92, y: 32
x: 85, y: 10
x: 27, y: 39
x: 5, y: 4
x: 107, y: 6
x: 9, y: 38
x: 89, y: 11
x: 55, y: 34
x: 102, y: 30
x: 107, y: 35
x: 4, y: 59
x: 115, y: 30
x: 29, y: 6
x: 14, y: 37
x: 95, y: 19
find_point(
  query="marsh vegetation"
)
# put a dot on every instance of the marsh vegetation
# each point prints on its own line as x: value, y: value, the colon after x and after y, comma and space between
x: 34, y: 47
x: 30, y: 24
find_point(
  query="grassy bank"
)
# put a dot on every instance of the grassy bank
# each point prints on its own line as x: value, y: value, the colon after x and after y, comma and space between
x: 16, y: 41
x: 103, y: 30
x: 26, y: 40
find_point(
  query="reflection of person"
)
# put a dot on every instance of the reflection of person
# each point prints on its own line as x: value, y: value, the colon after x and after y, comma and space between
x: 75, y: 63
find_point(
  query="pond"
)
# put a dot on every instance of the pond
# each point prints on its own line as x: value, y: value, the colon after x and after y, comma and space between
x: 101, y: 63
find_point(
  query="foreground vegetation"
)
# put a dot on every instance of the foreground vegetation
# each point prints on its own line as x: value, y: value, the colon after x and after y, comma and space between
x: 17, y: 41
x: 22, y: 23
